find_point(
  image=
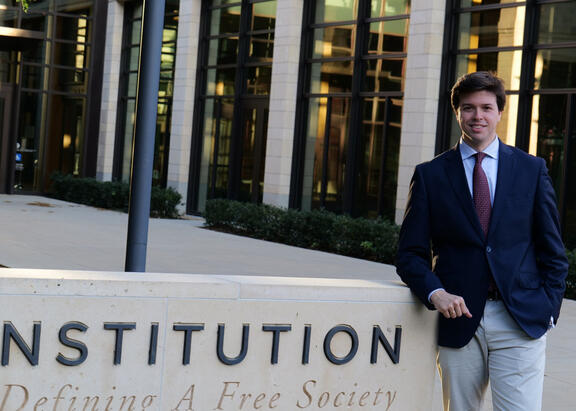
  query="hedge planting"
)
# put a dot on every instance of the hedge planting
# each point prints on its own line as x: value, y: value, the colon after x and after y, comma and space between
x: 112, y: 195
x: 374, y: 240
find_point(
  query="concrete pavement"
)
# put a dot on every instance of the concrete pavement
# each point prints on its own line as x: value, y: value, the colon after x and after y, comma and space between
x: 38, y: 232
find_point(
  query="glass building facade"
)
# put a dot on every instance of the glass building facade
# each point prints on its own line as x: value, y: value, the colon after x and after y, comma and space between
x: 237, y: 46
x: 128, y: 91
x: 48, y: 71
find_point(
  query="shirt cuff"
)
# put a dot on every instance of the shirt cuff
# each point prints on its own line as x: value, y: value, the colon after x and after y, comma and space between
x: 433, y: 291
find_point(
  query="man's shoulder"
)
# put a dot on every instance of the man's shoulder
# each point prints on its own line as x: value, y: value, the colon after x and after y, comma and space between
x: 441, y: 159
x: 521, y: 155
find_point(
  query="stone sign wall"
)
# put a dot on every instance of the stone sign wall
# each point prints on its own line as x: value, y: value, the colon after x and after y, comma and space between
x: 98, y: 341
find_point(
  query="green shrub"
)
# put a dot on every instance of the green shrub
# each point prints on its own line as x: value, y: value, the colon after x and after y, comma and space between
x: 319, y: 229
x: 571, y: 280
x: 112, y: 195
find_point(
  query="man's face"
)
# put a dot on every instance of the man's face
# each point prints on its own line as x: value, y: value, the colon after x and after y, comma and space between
x: 478, y: 116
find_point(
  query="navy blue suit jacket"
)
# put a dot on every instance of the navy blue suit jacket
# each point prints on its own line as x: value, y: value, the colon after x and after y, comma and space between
x: 442, y: 244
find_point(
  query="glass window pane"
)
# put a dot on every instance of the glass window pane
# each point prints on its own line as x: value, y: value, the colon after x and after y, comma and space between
x: 32, y: 76
x: 555, y: 68
x: 492, y: 28
x: 380, y: 142
x: 331, y: 77
x: 547, y: 133
x: 9, y: 18
x: 32, y: 21
x: 223, y: 51
x: 557, y: 23
x: 388, y: 37
x: 507, y: 65
x: 570, y: 196
x: 474, y: 3
x: 261, y: 47
x: 224, y: 2
x: 28, y: 140
x: 335, y: 10
x: 386, y: 8
x: 128, y: 137
x: 506, y: 128
x: 324, y: 180
x: 135, y: 33
x: 225, y: 20
x: 71, y: 28
x: 220, y: 81
x: 334, y: 41
x: 385, y: 75
x: 264, y: 16
x: 259, y: 79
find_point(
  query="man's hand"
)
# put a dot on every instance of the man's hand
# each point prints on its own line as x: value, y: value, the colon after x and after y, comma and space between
x: 449, y: 305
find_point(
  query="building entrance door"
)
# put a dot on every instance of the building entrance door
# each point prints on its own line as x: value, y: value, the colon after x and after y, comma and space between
x: 254, y: 128
x: 6, y: 147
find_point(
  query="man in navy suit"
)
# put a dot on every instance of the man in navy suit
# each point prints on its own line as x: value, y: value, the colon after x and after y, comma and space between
x: 481, y: 244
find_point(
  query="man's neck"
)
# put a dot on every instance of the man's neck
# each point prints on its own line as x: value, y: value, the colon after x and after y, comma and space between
x: 478, y: 145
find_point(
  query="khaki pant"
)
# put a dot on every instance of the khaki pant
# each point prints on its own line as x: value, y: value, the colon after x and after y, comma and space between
x: 499, y: 353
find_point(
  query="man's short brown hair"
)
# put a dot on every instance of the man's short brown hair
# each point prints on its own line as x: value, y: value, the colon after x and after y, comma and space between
x: 478, y: 81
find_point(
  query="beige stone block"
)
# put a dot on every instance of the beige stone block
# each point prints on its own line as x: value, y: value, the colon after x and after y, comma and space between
x: 198, y: 359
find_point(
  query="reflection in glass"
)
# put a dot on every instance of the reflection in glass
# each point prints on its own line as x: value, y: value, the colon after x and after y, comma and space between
x: 388, y: 37
x: 380, y: 140
x: 385, y: 75
x: 28, y: 141
x: 264, y: 16
x: 226, y: 20
x: 223, y: 51
x: 555, y: 68
x: 506, y: 64
x: 557, y: 23
x: 9, y: 17
x: 325, y: 161
x: 32, y: 76
x: 261, y: 47
x: 474, y: 3
x: 334, y: 41
x: 220, y: 81
x: 331, y: 77
x: 217, y: 138
x: 570, y: 194
x: 259, y: 79
x: 335, y: 10
x: 387, y: 8
x: 492, y: 28
x: 547, y: 133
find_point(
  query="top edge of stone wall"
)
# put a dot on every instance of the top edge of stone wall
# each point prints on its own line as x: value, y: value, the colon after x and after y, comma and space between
x: 197, y: 286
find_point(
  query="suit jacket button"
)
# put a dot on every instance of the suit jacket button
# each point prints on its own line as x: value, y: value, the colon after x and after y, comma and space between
x: 488, y: 249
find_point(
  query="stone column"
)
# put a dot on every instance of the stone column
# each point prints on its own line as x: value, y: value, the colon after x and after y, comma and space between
x: 183, y: 99
x: 110, y: 83
x: 421, y: 92
x: 283, y: 95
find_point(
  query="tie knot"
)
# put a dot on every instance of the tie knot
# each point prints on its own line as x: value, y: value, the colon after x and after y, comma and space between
x: 479, y: 157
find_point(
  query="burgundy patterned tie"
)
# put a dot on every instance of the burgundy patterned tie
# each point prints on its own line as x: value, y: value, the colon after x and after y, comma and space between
x: 481, y: 193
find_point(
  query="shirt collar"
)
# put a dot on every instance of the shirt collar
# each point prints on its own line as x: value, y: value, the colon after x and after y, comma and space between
x: 492, y: 150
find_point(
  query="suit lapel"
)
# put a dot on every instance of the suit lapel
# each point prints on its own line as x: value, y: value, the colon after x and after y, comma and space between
x: 504, y: 183
x: 457, y: 177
